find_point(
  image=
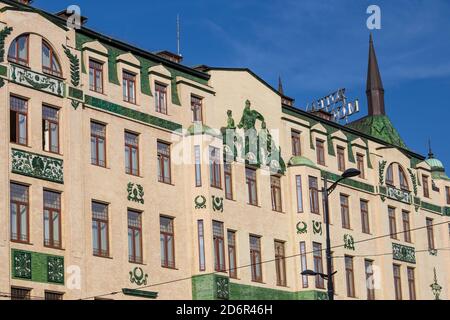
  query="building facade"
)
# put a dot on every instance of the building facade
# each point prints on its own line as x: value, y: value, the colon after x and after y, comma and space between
x: 127, y: 175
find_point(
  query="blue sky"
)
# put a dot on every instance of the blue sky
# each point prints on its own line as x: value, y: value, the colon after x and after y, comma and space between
x: 315, y: 46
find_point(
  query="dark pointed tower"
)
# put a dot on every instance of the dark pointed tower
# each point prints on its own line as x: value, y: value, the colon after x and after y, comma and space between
x: 280, y: 87
x: 374, y: 90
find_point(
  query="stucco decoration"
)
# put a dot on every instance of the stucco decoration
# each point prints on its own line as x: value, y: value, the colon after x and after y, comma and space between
x: 436, y: 288
x: 414, y: 180
x: 217, y: 203
x: 37, y: 166
x: 135, y: 193
x: 138, y: 276
x: 22, y: 265
x: 302, y: 228
x: 349, y: 242
x: 74, y: 72
x: 200, y: 202
x: 222, y: 286
x: 403, y: 253
x: 6, y: 31
x: 36, y: 80
x: 55, y: 269
x: 317, y: 227
x: 382, y: 166
x: 399, y: 195
x: 433, y: 252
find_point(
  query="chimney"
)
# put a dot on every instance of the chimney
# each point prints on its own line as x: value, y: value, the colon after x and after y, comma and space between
x: 170, y: 56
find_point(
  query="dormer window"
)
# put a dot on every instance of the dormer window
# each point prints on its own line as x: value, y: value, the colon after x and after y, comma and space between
x: 18, y: 51
x: 129, y: 87
x: 95, y: 76
x: 196, y: 107
x: 50, y: 63
x: 160, y: 98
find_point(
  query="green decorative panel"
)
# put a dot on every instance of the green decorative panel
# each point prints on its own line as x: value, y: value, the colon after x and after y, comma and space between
x: 217, y: 204
x: 222, y: 288
x: 200, y: 202
x: 37, y: 267
x: 3, y: 71
x: 399, y: 195
x: 404, y: 253
x: 302, y: 228
x: 140, y: 293
x: 414, y: 180
x: 349, y: 242
x: 37, y: 166
x: 138, y: 277
x: 349, y: 182
x: 312, y: 295
x: 132, y: 114
x: 6, y: 31
x: 381, y: 167
x: 135, y: 193
x: 447, y: 211
x: 74, y: 67
x: 317, y: 227
x: 431, y: 207
x: 36, y: 80
x: 76, y: 93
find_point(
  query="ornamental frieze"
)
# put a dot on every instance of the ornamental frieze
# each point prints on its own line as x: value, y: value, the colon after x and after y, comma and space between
x: 36, y: 80
x: 404, y: 253
x: 37, y: 166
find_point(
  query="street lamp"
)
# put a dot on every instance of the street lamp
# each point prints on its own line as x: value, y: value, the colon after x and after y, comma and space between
x: 350, y: 173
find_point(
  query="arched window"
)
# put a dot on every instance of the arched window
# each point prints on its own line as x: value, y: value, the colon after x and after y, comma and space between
x: 390, y: 175
x: 18, y: 51
x: 403, y: 179
x: 50, y: 63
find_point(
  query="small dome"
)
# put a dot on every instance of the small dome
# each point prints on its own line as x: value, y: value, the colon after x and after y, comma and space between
x: 435, y: 164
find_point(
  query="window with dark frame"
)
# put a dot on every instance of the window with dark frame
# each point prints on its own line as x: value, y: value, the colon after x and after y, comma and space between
x: 318, y: 264
x: 350, y: 277
x: 252, y: 195
x: 164, y: 167
x: 19, y: 50
x: 20, y: 215
x: 299, y: 192
x: 320, y: 149
x: 129, y: 87
x: 314, y: 195
x: 167, y: 239
x: 20, y: 293
x: 403, y: 179
x: 98, y: 144
x: 296, y: 143
x: 215, y: 171
x: 255, y: 258
x: 135, y: 237
x: 365, y: 219
x: 100, y: 229
x: 52, y: 219
x: 426, y: 187
x: 228, y: 172
x: 275, y: 191
x: 53, y: 295
x: 430, y: 233
x: 341, y: 158
x: 219, y: 247
x: 18, y: 120
x: 411, y: 283
x: 201, y: 245
x: 160, y: 98
x: 390, y: 175
x: 95, y: 76
x: 447, y: 192
x: 345, y: 211
x: 50, y: 63
x: 304, y: 263
x: 406, y: 226
x: 397, y: 282
x: 360, y: 165
x: 392, y: 223
x: 280, y: 263
x: 197, y: 109
x: 131, y: 153
x: 370, y: 283
x: 232, y: 256
x: 50, y: 129
x: 198, y: 166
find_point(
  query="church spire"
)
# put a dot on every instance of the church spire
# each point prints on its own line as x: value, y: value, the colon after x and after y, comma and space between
x: 375, y: 90
x: 430, y: 152
x: 280, y: 87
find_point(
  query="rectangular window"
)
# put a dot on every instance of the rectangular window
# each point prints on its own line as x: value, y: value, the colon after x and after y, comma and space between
x: 314, y: 195
x: 198, y: 166
x: 50, y: 129
x: 406, y: 226
x: 232, y: 253
x: 197, y: 109
x: 161, y: 98
x: 52, y: 219
x: 447, y: 192
x: 255, y: 258
x: 350, y: 277
x: 19, y: 213
x: 370, y: 284
x: 320, y: 149
x: 365, y: 220
x: 164, y: 169
x: 392, y: 223
x: 426, y: 190
x: 167, y: 240
x: 53, y: 295
x: 341, y: 158
x: 298, y: 187
x: 430, y: 234
x: 20, y: 294
x: 201, y: 245
x: 100, y: 229
x: 219, y: 246
x: 131, y: 153
x: 280, y: 263
x: 135, y: 237
x: 345, y: 212
x: 18, y: 120
x: 296, y: 145
x: 397, y: 282
x: 214, y: 168
x: 95, y: 76
x: 228, y: 170
x: 275, y: 190
x: 304, y: 263
x: 252, y: 195
x: 318, y: 264
x: 360, y: 165
x: 98, y: 144
x: 411, y: 283
x: 129, y: 87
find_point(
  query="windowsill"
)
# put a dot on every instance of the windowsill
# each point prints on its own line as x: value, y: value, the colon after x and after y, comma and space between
x: 215, y: 187
x: 53, y: 153
x: 102, y: 257
x: 98, y: 92
x: 134, y: 175
x: 347, y: 228
x: 277, y: 211
x: 260, y: 282
x: 137, y: 263
x: 60, y: 77
x: 167, y: 183
x: 22, y: 242
x: 20, y: 145
x: 253, y: 205
x: 99, y: 166
x: 170, y: 268
x: 230, y: 199
x: 54, y: 248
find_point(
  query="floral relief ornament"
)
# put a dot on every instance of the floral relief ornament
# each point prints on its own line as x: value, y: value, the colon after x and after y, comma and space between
x: 302, y: 227
x: 138, y: 277
x: 200, y: 202
x: 135, y: 193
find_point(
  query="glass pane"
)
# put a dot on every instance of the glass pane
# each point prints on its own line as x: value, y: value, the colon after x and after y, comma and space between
x: 163, y: 249
x: 45, y: 56
x: 137, y: 238
x: 23, y: 47
x: 13, y: 49
x: 170, y: 255
x: 134, y: 159
x: 22, y: 129
x: 104, y: 236
x: 56, y: 217
x: 23, y: 223
x: 13, y: 221
x: 101, y: 152
x: 94, y: 156
x: 46, y: 225
x: 127, y: 160
x: 54, y: 137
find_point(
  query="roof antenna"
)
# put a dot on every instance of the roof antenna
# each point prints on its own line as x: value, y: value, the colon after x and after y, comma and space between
x: 430, y: 152
x: 178, y: 35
